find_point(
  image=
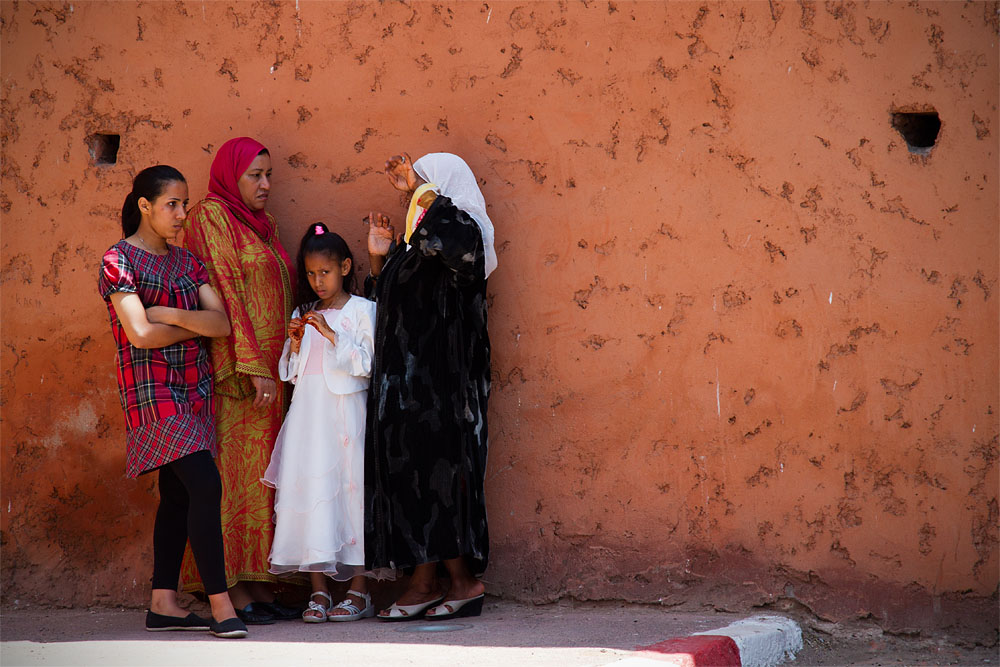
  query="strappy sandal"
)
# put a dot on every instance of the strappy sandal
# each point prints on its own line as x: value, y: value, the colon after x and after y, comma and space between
x: 410, y: 612
x: 353, y: 612
x: 317, y: 607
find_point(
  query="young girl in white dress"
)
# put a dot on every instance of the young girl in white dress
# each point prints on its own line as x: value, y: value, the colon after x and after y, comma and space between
x: 317, y: 467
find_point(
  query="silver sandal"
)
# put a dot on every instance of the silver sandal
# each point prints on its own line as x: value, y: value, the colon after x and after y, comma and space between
x: 322, y: 609
x: 353, y: 612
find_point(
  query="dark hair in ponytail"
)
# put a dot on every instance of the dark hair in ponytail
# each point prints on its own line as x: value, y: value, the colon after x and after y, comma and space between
x: 149, y: 183
x: 319, y: 239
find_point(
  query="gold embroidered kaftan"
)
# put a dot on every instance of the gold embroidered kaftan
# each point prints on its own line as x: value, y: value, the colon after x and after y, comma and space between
x: 255, y: 284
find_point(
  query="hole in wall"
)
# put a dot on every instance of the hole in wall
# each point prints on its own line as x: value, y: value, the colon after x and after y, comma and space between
x: 104, y: 148
x: 918, y: 128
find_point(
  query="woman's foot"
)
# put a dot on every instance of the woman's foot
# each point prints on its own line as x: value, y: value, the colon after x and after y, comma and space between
x: 157, y: 623
x: 164, y: 603
x: 417, y: 596
x: 423, y: 591
x: 260, y: 591
x: 398, y: 612
x: 456, y: 608
x: 231, y: 628
x: 464, y: 587
x: 240, y: 595
x: 222, y: 607
x: 459, y: 591
x: 254, y: 614
x: 414, y: 602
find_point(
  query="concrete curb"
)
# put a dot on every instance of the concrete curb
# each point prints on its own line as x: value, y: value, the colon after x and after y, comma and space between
x: 758, y: 641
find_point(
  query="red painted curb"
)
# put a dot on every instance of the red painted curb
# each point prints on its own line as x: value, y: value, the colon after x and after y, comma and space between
x: 698, y: 651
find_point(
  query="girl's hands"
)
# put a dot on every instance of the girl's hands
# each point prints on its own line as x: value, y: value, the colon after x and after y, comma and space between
x: 399, y: 170
x: 296, y: 327
x: 267, y: 391
x: 318, y: 322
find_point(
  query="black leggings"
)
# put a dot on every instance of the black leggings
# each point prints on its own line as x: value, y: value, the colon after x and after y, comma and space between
x: 190, y: 507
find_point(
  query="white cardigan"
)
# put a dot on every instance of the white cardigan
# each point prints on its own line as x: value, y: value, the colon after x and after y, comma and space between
x: 347, y: 366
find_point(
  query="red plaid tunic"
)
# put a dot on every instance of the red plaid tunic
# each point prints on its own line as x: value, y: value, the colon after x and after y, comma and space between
x: 166, y: 392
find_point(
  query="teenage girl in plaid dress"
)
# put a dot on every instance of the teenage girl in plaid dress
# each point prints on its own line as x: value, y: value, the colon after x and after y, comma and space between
x: 161, y: 305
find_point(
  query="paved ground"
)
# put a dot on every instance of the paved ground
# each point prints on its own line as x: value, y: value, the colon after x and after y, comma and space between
x: 507, y: 633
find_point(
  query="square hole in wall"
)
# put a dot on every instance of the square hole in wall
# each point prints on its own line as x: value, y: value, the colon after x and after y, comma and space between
x: 104, y: 148
x: 918, y: 128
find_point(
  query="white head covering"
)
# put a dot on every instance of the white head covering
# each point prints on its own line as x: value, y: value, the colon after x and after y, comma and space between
x: 457, y: 182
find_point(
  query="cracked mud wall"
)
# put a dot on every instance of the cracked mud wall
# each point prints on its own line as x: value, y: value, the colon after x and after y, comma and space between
x: 745, y: 342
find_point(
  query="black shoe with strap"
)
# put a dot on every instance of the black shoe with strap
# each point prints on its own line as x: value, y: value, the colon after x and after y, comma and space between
x: 279, y: 611
x: 255, y: 614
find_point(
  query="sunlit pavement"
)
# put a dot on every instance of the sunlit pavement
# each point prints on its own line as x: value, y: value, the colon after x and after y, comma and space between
x: 506, y: 634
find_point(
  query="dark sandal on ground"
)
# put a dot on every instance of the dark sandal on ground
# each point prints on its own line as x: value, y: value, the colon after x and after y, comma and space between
x: 409, y: 612
x: 254, y: 614
x: 231, y: 628
x: 279, y: 611
x: 160, y: 623
x: 457, y: 608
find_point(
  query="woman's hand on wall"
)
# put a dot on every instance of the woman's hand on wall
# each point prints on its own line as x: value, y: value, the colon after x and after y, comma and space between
x: 266, y: 391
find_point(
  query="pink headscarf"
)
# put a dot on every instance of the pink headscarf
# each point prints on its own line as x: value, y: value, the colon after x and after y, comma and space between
x: 232, y: 159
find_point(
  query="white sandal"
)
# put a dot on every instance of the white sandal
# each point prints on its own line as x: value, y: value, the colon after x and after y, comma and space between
x: 317, y: 607
x: 353, y: 612
x: 409, y: 612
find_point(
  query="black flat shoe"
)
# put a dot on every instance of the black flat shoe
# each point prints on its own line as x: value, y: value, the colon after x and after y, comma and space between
x: 231, y: 628
x: 160, y: 623
x: 253, y: 614
x: 279, y: 611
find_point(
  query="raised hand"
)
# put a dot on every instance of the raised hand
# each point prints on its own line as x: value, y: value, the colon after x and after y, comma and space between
x: 381, y: 234
x: 399, y: 170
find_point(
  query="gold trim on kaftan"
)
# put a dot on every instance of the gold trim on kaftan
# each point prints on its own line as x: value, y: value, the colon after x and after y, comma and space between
x: 255, y: 284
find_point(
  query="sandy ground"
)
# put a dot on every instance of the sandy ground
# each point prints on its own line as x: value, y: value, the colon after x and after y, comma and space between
x: 864, y: 644
x: 558, y: 634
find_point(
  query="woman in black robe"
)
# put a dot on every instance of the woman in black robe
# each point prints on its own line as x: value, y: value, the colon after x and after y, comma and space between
x: 426, y: 438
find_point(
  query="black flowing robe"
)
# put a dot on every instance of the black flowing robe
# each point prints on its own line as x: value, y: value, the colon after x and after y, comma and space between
x: 426, y: 436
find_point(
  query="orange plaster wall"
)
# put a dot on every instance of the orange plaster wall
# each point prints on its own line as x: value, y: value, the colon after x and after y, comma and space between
x: 746, y: 345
